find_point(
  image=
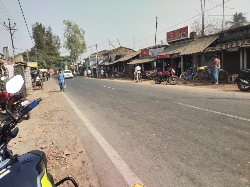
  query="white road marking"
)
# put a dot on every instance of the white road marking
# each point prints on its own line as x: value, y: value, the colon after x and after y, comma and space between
x: 104, y: 86
x: 113, y: 88
x: 121, y: 166
x: 224, y: 114
x: 109, y: 87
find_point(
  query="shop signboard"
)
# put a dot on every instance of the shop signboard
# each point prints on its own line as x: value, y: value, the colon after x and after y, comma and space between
x: 155, y: 52
x: 145, y: 52
x: 177, y: 34
x: 163, y: 56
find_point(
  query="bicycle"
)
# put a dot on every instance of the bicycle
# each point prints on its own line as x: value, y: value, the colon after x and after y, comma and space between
x: 188, y: 75
x: 206, y: 76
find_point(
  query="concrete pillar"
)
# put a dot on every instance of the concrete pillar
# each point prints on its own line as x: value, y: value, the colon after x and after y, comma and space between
x: 27, y: 80
x: 245, y: 58
x: 142, y: 66
x: 241, y: 59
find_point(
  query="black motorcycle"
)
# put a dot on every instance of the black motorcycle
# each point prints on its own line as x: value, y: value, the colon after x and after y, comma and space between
x: 243, y: 80
x: 29, y: 169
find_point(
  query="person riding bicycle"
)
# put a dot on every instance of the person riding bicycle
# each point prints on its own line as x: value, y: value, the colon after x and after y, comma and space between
x: 137, y: 72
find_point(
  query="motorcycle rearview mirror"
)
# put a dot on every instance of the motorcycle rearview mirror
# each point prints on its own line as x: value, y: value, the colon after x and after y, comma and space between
x: 14, y: 84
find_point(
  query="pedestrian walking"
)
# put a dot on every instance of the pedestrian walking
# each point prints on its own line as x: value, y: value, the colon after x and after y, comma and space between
x: 61, y: 79
x: 48, y: 75
x: 215, y: 65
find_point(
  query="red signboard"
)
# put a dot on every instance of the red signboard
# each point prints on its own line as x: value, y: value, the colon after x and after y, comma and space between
x: 177, y: 34
x: 163, y: 56
x: 145, y: 52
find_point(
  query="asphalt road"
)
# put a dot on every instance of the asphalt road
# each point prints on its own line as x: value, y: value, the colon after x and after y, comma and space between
x: 168, y: 136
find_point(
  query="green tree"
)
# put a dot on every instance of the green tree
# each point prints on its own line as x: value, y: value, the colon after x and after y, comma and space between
x: 46, y: 48
x: 238, y: 20
x: 75, y: 41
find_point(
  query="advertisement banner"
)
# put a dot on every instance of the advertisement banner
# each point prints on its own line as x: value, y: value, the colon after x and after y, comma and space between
x: 145, y: 52
x: 155, y: 52
x: 177, y: 34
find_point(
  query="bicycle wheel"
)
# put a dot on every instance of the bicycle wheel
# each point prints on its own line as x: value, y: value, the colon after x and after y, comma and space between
x: 199, y: 79
x: 222, y: 77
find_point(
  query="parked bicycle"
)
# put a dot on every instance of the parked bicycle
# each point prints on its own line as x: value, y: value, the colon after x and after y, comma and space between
x: 188, y: 75
x: 206, y: 76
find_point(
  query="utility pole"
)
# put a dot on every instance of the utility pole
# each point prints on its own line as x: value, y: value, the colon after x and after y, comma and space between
x: 203, y: 14
x: 155, y: 30
x: 223, y: 18
x: 97, y: 64
x: 11, y: 28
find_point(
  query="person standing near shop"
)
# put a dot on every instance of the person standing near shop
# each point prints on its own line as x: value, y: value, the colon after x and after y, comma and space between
x: 215, y: 65
x: 102, y: 73
x: 137, y: 71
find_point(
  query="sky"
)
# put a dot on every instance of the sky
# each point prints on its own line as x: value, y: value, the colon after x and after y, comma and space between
x: 131, y: 22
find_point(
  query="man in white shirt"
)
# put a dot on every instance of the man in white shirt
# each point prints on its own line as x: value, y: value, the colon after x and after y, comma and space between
x: 137, y: 71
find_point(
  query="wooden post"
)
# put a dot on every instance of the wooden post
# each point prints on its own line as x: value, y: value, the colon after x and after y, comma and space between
x: 245, y: 58
x: 182, y: 67
x: 222, y: 60
x: 241, y: 59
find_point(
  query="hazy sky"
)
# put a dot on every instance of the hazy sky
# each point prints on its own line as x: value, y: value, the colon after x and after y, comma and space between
x: 125, y: 20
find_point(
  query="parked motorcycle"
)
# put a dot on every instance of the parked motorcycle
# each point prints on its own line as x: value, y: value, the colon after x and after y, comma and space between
x: 14, y: 102
x: 243, y: 80
x: 29, y: 169
x: 168, y: 76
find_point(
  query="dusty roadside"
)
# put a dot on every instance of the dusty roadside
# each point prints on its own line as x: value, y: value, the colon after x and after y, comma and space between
x: 51, y: 130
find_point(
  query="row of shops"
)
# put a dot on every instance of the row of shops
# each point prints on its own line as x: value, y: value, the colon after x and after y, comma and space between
x: 231, y: 46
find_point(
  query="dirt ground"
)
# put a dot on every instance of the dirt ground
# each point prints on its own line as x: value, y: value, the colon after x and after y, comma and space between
x: 51, y: 130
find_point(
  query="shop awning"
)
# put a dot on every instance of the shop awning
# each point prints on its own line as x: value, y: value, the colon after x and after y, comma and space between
x: 128, y: 57
x: 229, y: 46
x: 141, y: 60
x: 174, y: 49
x: 199, y: 45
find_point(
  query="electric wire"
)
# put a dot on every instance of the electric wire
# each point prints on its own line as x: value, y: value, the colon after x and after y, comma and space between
x: 25, y: 21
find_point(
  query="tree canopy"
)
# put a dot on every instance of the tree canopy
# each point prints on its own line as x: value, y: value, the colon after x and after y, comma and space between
x: 74, y: 40
x: 46, y: 48
x: 237, y: 20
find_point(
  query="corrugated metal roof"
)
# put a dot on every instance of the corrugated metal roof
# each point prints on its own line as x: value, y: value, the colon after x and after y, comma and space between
x: 127, y: 57
x: 141, y: 60
x: 240, y: 43
x: 175, y: 48
x: 199, y: 45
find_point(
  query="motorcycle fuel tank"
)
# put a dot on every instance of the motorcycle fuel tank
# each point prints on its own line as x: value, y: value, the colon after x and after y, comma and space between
x: 28, y: 170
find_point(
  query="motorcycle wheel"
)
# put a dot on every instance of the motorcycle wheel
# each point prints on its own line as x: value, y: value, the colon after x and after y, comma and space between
x: 157, y: 81
x: 243, y: 87
x: 27, y: 116
x: 173, y: 80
